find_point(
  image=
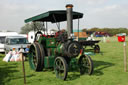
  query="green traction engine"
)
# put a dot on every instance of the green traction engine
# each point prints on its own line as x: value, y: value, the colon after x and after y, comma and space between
x: 59, y: 51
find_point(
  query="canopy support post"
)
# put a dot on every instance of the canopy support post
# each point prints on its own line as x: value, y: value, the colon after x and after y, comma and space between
x: 47, y: 28
x: 56, y: 22
x: 78, y: 28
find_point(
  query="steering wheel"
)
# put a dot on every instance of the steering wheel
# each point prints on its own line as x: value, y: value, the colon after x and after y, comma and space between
x: 36, y: 37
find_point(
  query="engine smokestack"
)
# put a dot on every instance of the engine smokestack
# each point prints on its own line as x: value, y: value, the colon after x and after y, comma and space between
x: 69, y: 20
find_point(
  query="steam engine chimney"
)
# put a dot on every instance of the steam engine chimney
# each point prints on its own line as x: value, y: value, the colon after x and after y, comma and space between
x: 69, y: 20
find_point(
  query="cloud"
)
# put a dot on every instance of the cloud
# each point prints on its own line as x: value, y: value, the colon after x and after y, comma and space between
x: 13, y: 15
x: 96, y: 2
x: 100, y: 13
x: 109, y: 16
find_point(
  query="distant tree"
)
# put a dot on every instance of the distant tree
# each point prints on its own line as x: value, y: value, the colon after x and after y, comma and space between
x: 84, y: 30
x: 9, y: 31
x: 27, y: 28
x: 30, y: 26
x: 94, y: 29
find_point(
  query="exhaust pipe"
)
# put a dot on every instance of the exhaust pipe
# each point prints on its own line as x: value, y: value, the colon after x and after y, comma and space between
x: 69, y: 20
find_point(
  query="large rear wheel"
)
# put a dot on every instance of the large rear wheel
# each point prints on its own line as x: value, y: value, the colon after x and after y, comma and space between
x: 41, y: 48
x: 36, y: 58
x: 61, y: 68
x: 85, y: 64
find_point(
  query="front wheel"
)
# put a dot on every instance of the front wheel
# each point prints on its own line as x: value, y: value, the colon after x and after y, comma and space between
x: 61, y: 68
x: 97, y: 49
x: 85, y: 64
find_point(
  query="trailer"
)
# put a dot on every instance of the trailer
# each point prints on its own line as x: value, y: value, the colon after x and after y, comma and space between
x: 91, y: 43
x: 88, y: 41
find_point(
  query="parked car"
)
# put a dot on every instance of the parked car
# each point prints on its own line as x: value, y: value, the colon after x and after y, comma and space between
x: 2, y: 41
x: 15, y: 42
x: 3, y: 35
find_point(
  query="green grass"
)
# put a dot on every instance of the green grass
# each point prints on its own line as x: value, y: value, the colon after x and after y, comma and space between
x: 108, y: 70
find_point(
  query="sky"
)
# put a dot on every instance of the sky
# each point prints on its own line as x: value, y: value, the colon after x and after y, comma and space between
x: 97, y: 13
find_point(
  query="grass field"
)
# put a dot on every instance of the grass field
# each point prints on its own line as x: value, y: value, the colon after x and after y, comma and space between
x: 108, y: 70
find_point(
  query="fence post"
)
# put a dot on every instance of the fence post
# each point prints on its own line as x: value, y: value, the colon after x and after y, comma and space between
x: 21, y: 51
x: 125, y: 58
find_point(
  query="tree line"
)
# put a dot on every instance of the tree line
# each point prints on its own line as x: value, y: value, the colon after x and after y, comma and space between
x: 112, y: 31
